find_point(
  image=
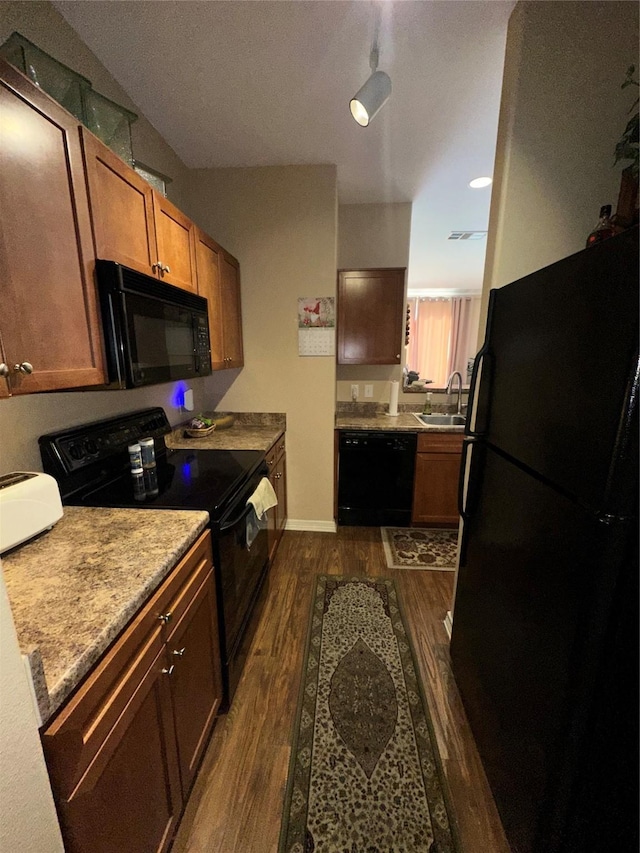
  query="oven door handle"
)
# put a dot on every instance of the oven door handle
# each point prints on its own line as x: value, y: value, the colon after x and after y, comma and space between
x: 229, y: 524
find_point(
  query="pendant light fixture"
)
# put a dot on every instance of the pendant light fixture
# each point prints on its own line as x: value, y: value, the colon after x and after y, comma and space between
x: 368, y: 100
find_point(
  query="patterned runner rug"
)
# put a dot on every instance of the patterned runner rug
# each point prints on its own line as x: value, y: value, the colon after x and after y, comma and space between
x: 365, y: 775
x: 420, y: 548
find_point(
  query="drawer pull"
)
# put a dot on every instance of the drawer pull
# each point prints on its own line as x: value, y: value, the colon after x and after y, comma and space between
x: 165, y: 618
x: 178, y: 652
x: 168, y: 671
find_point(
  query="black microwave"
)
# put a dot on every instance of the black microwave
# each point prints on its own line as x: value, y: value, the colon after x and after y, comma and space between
x: 153, y: 332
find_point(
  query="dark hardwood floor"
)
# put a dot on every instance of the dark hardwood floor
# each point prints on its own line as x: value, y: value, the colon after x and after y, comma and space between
x: 236, y: 803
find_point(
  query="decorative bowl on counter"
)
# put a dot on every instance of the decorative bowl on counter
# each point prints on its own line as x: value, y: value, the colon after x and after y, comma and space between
x: 200, y: 432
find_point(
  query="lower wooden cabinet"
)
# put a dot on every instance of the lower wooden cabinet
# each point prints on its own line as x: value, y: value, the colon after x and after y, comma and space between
x: 277, y: 462
x: 435, y: 489
x: 122, y: 753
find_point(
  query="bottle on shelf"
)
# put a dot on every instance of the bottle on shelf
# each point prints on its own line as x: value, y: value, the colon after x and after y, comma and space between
x: 427, y: 408
x: 604, y: 227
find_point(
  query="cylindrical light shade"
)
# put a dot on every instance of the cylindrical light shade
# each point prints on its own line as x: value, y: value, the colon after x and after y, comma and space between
x: 368, y: 100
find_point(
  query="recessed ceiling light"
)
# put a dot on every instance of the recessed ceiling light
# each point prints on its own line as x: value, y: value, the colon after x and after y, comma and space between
x: 477, y: 183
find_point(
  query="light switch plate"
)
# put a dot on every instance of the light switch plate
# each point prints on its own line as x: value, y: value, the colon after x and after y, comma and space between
x: 368, y: 390
x: 355, y: 391
x: 188, y: 400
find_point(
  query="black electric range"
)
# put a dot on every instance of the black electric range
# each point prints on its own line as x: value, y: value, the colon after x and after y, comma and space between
x: 91, y: 464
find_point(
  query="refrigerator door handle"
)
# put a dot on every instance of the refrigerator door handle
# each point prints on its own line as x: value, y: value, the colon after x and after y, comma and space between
x: 480, y: 384
x: 462, y: 480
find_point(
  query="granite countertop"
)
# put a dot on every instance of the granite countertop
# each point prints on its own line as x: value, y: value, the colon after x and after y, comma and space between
x: 403, y: 422
x: 74, y: 588
x: 250, y: 431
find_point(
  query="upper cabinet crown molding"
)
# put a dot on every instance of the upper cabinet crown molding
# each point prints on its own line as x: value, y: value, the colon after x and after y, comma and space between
x: 50, y: 329
x: 371, y: 315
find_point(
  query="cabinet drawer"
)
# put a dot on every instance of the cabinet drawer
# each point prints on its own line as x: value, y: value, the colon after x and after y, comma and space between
x: 274, y: 452
x: 74, y: 738
x: 198, y: 564
x: 440, y: 442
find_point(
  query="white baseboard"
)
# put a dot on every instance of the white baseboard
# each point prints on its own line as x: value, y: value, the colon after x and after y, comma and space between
x: 448, y: 623
x: 311, y: 525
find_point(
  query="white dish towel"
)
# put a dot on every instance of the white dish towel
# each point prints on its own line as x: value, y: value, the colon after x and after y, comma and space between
x: 263, y: 499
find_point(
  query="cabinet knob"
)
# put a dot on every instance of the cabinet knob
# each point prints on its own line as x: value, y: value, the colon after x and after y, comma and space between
x: 165, y: 618
x: 178, y: 652
x: 167, y: 671
x: 397, y: 355
x: 4, y: 369
x: 24, y: 367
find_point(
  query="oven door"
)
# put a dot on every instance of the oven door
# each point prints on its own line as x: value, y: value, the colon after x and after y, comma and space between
x: 241, y: 569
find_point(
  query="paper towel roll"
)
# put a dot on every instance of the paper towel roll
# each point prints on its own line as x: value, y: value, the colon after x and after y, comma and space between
x: 393, y: 397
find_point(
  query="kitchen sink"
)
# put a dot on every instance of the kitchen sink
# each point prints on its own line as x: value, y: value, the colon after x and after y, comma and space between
x: 440, y: 420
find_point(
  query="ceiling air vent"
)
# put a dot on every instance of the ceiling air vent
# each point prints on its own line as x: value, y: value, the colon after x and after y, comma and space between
x: 467, y: 235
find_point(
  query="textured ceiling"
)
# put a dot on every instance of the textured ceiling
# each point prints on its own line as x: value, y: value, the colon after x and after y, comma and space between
x: 255, y: 82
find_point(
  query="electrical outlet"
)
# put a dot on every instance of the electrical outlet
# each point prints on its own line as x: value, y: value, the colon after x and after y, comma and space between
x: 354, y: 392
x: 368, y: 390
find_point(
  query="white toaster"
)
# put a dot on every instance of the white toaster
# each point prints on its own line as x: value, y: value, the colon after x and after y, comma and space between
x: 29, y: 503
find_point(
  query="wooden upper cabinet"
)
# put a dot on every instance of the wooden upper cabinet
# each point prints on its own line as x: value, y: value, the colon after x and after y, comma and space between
x: 232, y: 313
x: 49, y: 321
x: 121, y: 209
x: 175, y: 240
x: 371, y: 316
x: 219, y: 283
x: 133, y: 224
x: 208, y: 267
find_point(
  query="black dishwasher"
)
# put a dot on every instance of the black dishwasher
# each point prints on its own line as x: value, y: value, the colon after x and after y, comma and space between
x: 375, y: 478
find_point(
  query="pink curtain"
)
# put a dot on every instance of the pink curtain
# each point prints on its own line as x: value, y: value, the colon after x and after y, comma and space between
x: 459, y: 344
x: 428, y: 350
x: 442, y: 337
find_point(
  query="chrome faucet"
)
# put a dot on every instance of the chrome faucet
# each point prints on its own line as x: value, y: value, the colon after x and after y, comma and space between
x: 448, y: 389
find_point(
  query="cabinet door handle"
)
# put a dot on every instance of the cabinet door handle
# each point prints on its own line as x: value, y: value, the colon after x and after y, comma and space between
x: 166, y: 268
x: 278, y: 475
x: 4, y: 369
x: 168, y: 671
x: 178, y: 652
x: 165, y: 618
x: 24, y: 367
x: 157, y: 267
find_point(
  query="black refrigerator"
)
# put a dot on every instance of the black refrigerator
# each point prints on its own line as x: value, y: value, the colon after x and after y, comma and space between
x: 544, y: 645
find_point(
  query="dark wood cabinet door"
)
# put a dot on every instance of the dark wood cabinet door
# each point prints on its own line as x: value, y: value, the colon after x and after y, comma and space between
x: 49, y: 320
x: 121, y: 209
x: 370, y: 316
x: 196, y: 682
x: 175, y: 239
x: 232, y: 313
x: 208, y: 269
x: 130, y: 798
x: 435, y: 488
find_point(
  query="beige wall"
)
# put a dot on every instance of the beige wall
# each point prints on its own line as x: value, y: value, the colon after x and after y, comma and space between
x: 370, y: 236
x: 28, y: 823
x: 562, y: 112
x: 281, y: 223
x: 23, y: 419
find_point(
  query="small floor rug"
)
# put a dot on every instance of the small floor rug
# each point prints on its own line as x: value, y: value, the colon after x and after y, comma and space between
x: 419, y: 548
x: 365, y: 775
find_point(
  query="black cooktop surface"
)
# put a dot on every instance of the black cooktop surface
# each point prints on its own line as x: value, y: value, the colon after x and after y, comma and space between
x: 188, y: 479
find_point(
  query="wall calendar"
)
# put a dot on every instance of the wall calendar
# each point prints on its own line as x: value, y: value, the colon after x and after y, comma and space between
x: 316, y: 325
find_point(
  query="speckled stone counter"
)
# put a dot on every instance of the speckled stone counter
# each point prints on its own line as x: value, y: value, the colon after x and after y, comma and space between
x: 74, y: 588
x: 403, y: 422
x: 250, y: 431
